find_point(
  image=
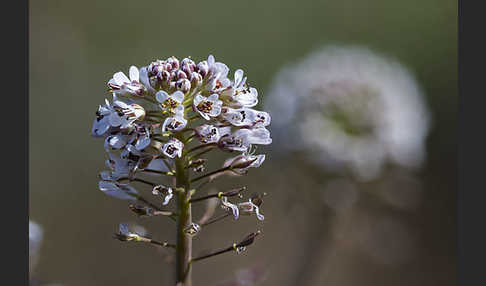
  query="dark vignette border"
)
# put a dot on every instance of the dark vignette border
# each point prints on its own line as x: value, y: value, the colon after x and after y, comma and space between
x: 15, y: 205
x: 471, y: 193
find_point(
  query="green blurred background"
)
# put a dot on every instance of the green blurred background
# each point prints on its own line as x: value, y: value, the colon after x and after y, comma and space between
x: 76, y: 46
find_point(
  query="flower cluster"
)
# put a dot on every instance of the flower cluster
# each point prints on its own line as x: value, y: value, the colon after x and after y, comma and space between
x: 162, y: 120
x: 351, y: 110
x: 156, y: 103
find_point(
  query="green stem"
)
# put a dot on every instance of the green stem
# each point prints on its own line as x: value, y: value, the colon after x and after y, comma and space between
x: 201, y: 146
x: 184, y: 240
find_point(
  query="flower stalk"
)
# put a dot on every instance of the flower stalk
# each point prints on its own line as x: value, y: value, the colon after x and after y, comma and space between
x: 184, y: 240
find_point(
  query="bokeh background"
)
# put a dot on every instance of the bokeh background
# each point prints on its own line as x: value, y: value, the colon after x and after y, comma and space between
x: 76, y: 46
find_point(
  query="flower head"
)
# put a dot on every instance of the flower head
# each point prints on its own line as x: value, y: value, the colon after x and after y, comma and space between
x: 351, y: 110
x: 163, y: 120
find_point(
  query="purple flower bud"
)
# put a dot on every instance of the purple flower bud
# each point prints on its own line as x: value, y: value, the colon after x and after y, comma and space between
x: 180, y: 74
x: 188, y: 62
x: 186, y: 69
x: 196, y: 79
x: 183, y: 85
x: 203, y: 68
x: 174, y: 62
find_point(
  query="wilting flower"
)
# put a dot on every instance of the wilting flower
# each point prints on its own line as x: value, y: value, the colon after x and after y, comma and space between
x: 141, y: 210
x: 163, y: 191
x: 244, y: 208
x: 225, y: 204
x: 250, y: 207
x: 118, y: 190
x: 350, y: 109
x: 125, y: 234
x: 241, y: 163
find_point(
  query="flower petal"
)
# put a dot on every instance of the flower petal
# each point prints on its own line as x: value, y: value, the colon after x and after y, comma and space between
x: 134, y: 74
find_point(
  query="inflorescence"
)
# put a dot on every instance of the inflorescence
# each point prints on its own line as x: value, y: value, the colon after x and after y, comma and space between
x: 175, y: 112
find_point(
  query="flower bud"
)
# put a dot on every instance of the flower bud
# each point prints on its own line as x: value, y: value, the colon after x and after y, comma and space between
x: 183, y: 85
x: 241, y: 163
x: 180, y: 74
x: 248, y: 240
x: 203, y: 68
x: 196, y: 79
x: 174, y: 62
x: 164, y: 77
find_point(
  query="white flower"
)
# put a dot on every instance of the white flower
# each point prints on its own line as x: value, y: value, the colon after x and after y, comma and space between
x: 229, y: 206
x: 120, y: 167
x: 245, y: 117
x: 245, y: 208
x: 239, y: 94
x: 141, y: 158
x: 173, y: 148
x: 118, y: 190
x: 241, y: 163
x: 207, y: 133
x: 117, y: 141
x: 122, y: 85
x: 242, y: 139
x: 350, y: 109
x: 217, y: 71
x: 117, y: 115
x: 248, y: 208
x: 171, y: 102
x: 207, y: 107
x: 165, y: 192
x: 145, y: 80
x: 174, y: 123
x: 142, y: 138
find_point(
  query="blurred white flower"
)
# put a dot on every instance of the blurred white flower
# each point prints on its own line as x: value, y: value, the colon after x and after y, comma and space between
x: 36, y: 233
x: 350, y: 109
